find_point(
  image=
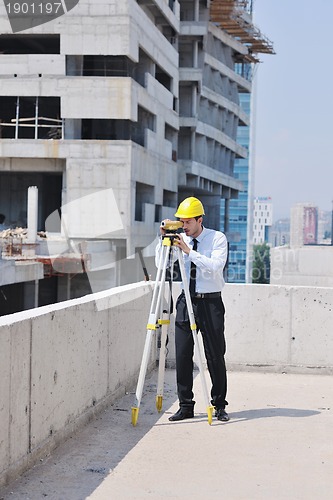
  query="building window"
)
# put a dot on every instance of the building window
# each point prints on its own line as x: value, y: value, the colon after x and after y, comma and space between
x: 30, y: 118
x: 102, y: 129
x: 94, y: 65
x: 144, y: 193
x: 158, y: 213
x: 119, y: 130
x: 29, y: 44
x: 162, y: 77
x: 169, y: 198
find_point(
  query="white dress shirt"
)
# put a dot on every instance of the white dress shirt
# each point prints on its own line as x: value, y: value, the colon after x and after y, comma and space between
x: 210, y: 259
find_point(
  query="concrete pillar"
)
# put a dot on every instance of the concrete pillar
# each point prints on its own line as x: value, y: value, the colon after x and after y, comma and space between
x: 195, y: 53
x: 36, y: 292
x: 32, y: 213
x: 194, y: 101
x: 192, y: 152
x: 17, y: 116
x: 226, y: 215
x: 196, y: 10
x: 72, y: 129
x: 36, y: 118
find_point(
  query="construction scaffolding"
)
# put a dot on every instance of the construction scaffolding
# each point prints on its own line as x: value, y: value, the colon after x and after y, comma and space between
x: 234, y: 17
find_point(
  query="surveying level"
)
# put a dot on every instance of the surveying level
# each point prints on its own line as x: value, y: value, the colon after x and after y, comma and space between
x: 161, y: 319
x: 171, y: 225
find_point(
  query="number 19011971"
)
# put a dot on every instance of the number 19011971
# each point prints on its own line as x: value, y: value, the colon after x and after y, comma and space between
x: 34, y: 8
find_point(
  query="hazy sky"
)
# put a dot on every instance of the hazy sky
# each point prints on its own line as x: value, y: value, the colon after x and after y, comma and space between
x: 294, y: 104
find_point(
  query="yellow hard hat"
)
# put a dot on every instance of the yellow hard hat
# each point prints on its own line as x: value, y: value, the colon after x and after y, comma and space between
x: 190, y: 207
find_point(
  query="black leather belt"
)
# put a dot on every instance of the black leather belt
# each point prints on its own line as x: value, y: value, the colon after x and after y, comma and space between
x: 213, y: 295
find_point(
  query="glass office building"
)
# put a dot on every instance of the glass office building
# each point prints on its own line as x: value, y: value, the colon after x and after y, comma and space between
x: 238, y: 225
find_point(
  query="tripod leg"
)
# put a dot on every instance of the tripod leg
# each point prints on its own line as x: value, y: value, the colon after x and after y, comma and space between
x: 142, y: 375
x: 193, y: 327
x: 151, y: 327
x: 165, y: 324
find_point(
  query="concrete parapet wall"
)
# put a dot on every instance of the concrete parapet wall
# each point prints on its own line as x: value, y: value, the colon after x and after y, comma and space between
x: 274, y: 328
x: 60, y: 363
x: 63, y: 363
x: 281, y: 327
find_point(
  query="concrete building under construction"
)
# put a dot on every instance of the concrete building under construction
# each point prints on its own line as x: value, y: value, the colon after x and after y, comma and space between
x: 109, y: 115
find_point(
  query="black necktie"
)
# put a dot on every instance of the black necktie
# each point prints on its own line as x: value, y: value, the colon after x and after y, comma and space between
x: 193, y: 271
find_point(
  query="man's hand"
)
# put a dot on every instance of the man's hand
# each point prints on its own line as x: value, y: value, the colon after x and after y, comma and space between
x: 179, y: 242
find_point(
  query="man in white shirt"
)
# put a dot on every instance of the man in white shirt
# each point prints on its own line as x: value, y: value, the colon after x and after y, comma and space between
x: 205, y: 254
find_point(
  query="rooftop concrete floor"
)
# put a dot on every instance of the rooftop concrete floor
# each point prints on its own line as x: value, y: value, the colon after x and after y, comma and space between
x: 278, y: 444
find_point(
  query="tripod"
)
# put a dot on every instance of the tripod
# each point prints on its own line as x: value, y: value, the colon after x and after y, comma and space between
x: 155, y: 321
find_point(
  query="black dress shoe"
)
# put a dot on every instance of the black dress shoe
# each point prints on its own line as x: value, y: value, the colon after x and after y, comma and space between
x: 181, y: 414
x: 222, y: 415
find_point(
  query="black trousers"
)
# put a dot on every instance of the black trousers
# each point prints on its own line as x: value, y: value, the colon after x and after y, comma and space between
x: 209, y: 317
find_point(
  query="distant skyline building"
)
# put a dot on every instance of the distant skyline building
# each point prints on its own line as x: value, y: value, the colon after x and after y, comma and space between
x: 303, y: 225
x: 324, y: 227
x: 307, y: 261
x: 280, y: 233
x: 262, y: 219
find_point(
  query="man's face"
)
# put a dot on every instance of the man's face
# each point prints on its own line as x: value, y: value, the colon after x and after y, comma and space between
x: 192, y: 227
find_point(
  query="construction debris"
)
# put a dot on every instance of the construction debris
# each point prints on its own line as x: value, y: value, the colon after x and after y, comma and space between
x: 19, y: 232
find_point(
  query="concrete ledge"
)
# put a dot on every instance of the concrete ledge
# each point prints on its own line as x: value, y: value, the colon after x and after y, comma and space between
x: 61, y: 364
x: 275, y: 328
x: 20, y: 271
x: 274, y: 325
x: 30, y: 459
